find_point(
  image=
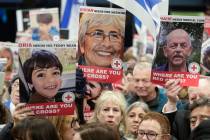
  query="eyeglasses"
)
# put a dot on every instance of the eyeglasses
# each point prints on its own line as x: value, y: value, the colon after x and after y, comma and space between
x: 151, y: 135
x: 99, y: 35
x: 194, y: 119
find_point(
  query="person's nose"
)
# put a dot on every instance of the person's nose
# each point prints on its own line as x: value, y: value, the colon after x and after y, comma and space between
x: 106, y: 41
x: 140, y: 83
x: 178, y: 48
x: 110, y: 113
x: 136, y: 119
x: 50, y: 78
x: 144, y: 137
x: 197, y: 123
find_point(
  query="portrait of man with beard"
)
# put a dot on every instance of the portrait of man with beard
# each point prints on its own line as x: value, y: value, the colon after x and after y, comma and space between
x: 101, y: 39
x: 177, y: 49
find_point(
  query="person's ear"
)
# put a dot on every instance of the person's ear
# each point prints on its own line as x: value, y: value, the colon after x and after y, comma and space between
x: 82, y: 47
x: 190, y: 51
x: 166, y: 137
x: 164, y: 51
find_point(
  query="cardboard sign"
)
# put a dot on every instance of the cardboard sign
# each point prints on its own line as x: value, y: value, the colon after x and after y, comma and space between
x: 48, y: 74
x: 178, y: 50
x: 101, y: 37
x: 38, y: 25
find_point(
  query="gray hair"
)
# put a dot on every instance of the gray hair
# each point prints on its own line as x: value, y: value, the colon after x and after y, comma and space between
x: 200, y: 103
x: 142, y: 105
x: 143, y: 66
x: 179, y: 30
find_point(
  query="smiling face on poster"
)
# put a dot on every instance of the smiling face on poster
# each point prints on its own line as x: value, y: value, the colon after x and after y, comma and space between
x: 49, y: 73
x: 101, y: 43
x: 178, y: 50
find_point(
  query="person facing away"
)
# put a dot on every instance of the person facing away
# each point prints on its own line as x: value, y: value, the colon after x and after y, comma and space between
x: 96, y: 131
x: 33, y: 128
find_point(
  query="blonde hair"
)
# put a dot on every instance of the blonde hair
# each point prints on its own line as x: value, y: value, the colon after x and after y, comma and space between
x: 142, y: 66
x: 106, y: 96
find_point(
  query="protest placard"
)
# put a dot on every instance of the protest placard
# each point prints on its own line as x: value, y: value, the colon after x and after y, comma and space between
x: 48, y: 69
x: 178, y: 50
x: 38, y: 25
x: 101, y: 39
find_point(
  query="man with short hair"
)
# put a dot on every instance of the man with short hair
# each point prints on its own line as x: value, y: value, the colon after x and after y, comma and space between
x: 145, y: 90
x: 199, y: 111
x: 179, y: 119
x: 177, y: 49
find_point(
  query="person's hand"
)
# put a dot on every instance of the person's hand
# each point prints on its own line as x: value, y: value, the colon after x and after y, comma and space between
x: 21, y: 112
x: 120, y: 88
x: 173, y: 88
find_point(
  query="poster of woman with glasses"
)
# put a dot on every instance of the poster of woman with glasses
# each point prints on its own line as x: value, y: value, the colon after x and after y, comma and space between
x: 101, y: 43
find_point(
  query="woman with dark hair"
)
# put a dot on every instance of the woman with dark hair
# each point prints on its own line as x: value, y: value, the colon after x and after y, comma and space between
x: 32, y: 128
x: 96, y: 131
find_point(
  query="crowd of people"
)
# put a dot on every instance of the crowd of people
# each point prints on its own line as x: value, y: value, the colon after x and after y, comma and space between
x: 142, y: 111
x: 135, y: 110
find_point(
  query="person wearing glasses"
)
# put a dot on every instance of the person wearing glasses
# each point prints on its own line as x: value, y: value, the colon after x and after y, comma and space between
x: 176, y: 50
x: 101, y: 39
x: 66, y: 126
x: 199, y: 111
x: 154, y: 126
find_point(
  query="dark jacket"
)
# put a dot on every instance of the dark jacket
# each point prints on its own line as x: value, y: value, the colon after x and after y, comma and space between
x: 180, y: 123
x: 5, y: 133
x: 155, y: 104
x: 202, y: 132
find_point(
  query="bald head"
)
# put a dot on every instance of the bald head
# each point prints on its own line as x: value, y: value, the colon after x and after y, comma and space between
x: 178, y: 33
x: 177, y: 50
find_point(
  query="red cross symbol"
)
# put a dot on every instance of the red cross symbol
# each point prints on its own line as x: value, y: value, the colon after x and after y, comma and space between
x: 117, y: 64
x: 193, y: 67
x: 68, y: 97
